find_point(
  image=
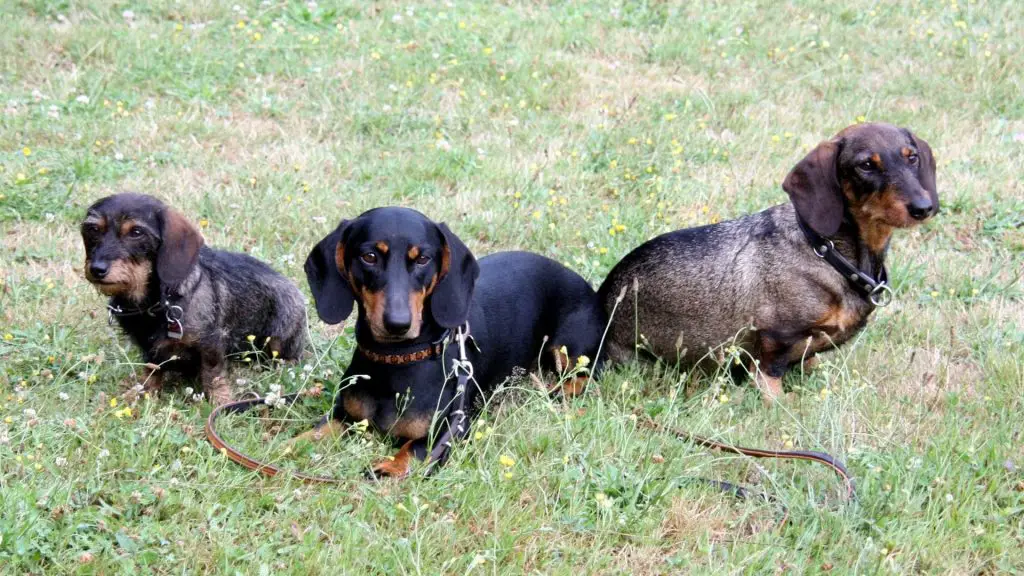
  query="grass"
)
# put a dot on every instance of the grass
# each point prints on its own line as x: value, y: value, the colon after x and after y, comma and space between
x: 576, y: 130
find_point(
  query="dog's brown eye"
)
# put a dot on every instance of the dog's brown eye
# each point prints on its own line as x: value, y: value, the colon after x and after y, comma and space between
x: 422, y: 260
x: 867, y: 166
x: 912, y: 159
x: 136, y: 232
x: 369, y: 258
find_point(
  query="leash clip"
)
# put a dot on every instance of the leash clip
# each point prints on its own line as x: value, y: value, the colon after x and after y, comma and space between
x: 175, y: 330
x: 111, y: 312
x: 881, y: 296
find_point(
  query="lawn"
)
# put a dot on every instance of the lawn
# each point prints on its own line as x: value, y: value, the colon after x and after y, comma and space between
x: 576, y: 130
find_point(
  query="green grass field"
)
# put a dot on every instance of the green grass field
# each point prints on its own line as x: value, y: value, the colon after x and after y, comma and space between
x: 578, y: 131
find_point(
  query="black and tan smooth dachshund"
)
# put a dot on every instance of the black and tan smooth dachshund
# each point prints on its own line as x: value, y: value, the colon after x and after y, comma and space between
x: 414, y: 282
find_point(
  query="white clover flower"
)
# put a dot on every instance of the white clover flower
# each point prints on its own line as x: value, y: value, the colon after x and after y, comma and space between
x: 82, y: 99
x: 63, y: 396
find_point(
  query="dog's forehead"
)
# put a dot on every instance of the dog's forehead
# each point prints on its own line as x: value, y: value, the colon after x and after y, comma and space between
x: 126, y: 206
x: 395, y: 225
x: 875, y: 137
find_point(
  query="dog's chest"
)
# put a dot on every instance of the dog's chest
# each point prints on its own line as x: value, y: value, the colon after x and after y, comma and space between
x: 840, y: 323
x: 407, y: 413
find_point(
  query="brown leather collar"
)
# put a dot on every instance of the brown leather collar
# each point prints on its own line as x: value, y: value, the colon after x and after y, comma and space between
x: 431, y: 350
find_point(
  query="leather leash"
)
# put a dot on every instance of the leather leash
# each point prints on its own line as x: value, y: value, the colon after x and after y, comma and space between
x: 442, y: 448
x: 742, y: 492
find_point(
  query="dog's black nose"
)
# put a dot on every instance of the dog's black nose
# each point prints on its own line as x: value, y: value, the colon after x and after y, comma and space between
x: 397, y: 323
x: 921, y: 208
x: 98, y: 269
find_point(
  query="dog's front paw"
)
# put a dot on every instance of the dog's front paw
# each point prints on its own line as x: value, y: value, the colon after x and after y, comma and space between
x: 219, y: 392
x: 397, y: 466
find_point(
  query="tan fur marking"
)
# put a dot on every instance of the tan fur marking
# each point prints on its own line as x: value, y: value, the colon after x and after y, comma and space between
x: 877, y: 160
x: 332, y: 429
x: 397, y: 466
x: 357, y: 407
x: 126, y: 226
x: 877, y: 216
x: 373, y: 303
x: 411, y: 428
x: 339, y: 259
x: 413, y: 253
x: 770, y: 386
x: 571, y: 388
x: 124, y: 278
x: 906, y: 152
x: 99, y: 221
x: 446, y: 261
x: 838, y: 319
x: 417, y: 298
x: 381, y: 247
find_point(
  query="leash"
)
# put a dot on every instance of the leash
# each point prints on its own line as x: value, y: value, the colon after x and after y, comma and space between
x: 442, y: 448
x: 739, y: 491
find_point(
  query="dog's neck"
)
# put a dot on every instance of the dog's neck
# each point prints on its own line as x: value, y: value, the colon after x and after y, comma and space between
x: 153, y: 296
x: 850, y: 242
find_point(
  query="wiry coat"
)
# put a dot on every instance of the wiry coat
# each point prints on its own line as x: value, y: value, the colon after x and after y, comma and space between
x: 689, y: 291
x: 756, y: 281
x: 155, y: 267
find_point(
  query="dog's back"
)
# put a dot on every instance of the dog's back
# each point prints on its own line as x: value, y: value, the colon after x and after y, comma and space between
x: 254, y: 299
x: 692, y: 289
x: 522, y: 293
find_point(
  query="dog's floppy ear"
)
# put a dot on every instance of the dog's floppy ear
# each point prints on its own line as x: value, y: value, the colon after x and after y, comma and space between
x: 926, y: 166
x: 449, y: 302
x: 180, y: 242
x: 813, y: 187
x: 331, y: 291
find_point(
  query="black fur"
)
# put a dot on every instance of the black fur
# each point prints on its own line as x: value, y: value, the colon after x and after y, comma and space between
x: 512, y: 301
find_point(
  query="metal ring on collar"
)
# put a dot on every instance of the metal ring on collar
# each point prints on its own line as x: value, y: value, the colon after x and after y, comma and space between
x: 824, y: 249
x: 175, y: 312
x: 881, y: 296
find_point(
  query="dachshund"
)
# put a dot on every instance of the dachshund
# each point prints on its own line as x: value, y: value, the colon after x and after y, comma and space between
x: 415, y: 283
x: 786, y: 283
x: 188, y: 307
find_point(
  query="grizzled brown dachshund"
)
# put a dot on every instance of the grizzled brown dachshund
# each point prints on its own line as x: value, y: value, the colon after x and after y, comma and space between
x: 785, y: 283
x: 177, y: 298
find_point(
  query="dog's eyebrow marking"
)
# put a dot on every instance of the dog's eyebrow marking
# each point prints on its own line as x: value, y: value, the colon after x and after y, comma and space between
x: 413, y: 253
x: 906, y: 152
x: 97, y: 220
x: 126, y: 225
x: 382, y: 246
x: 877, y: 160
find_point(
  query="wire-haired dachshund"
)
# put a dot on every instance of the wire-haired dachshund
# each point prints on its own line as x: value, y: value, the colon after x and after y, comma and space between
x: 414, y: 282
x: 785, y: 283
x: 187, y: 306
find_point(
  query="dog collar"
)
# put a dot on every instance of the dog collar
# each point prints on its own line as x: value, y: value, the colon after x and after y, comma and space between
x: 173, y: 314
x: 400, y: 357
x: 875, y: 290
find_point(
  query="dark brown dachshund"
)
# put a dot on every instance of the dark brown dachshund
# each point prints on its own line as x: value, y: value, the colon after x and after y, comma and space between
x: 785, y: 283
